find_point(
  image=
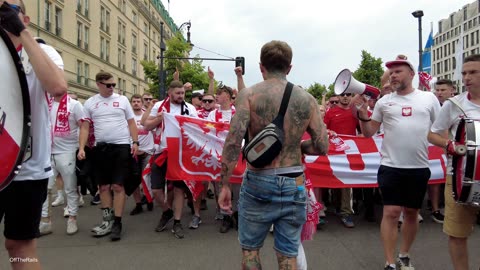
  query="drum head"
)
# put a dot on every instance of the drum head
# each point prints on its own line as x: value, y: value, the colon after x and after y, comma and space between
x: 459, y: 162
x: 14, y: 111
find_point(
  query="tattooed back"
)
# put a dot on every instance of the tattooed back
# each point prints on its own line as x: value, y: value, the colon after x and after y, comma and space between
x: 264, y: 101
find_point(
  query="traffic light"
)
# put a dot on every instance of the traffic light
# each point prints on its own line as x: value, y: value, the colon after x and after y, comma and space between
x: 240, y: 62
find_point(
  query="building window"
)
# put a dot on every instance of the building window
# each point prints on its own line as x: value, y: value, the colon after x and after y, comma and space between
x: 82, y: 7
x: 465, y: 13
x: 48, y: 16
x: 121, y: 59
x: 79, y: 34
x: 121, y: 33
x: 134, y: 18
x: 451, y: 20
x: 453, y: 46
x: 445, y: 65
x: 86, y: 72
x: 120, y: 85
x: 145, y: 51
x: 134, y: 43
x: 122, y: 5
x: 145, y: 27
x: 105, y: 49
x: 134, y: 67
x: 79, y: 71
x: 134, y: 88
x: 58, y: 21
x: 104, y: 19
x: 86, y: 8
x: 86, y: 40
x: 469, y: 24
x: 440, y: 27
x: 79, y: 6
x: 465, y: 41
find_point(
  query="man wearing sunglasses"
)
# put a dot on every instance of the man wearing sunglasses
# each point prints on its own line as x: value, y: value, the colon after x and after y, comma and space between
x: 197, y: 100
x: 116, y: 140
x: 21, y: 202
x: 147, y: 99
x: 341, y: 120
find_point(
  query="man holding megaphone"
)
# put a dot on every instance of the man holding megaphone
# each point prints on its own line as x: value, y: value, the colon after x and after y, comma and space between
x: 407, y: 115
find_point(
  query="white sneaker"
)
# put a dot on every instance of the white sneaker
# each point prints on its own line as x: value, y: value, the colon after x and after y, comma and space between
x: 419, y: 218
x: 66, y: 214
x: 81, y: 202
x: 58, y: 201
x: 102, y: 229
x: 72, y: 227
x: 45, y: 228
x: 271, y: 229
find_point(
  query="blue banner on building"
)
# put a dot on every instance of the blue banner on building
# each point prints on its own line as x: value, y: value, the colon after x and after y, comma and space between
x: 427, y: 55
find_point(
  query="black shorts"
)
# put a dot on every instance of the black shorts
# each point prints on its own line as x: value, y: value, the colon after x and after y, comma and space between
x: 158, y: 173
x: 21, y: 205
x: 403, y: 187
x: 111, y: 163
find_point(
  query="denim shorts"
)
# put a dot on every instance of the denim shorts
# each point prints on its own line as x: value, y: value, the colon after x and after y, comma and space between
x: 271, y: 199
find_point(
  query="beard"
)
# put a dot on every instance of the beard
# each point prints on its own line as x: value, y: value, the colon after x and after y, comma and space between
x: 399, y: 86
x: 177, y: 101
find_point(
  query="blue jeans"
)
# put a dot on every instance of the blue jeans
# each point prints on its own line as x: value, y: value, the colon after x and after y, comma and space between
x: 271, y: 199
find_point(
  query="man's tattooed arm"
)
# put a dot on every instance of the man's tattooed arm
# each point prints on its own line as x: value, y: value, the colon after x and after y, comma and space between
x: 233, y: 142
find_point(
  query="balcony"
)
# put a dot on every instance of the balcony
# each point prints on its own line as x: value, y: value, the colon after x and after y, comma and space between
x: 58, y: 31
x: 48, y: 25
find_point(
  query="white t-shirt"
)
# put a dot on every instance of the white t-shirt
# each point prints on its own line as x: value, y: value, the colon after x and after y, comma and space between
x: 68, y: 143
x: 406, y: 122
x: 450, y: 116
x: 38, y: 166
x: 225, y: 116
x: 175, y: 109
x: 145, y: 137
x: 109, y: 116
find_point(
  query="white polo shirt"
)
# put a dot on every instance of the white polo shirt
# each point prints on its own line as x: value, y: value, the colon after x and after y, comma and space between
x: 450, y: 116
x: 109, y: 116
x: 406, y: 123
x: 38, y: 166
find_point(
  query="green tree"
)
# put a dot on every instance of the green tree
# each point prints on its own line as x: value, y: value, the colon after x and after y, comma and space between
x: 317, y: 91
x: 370, y: 70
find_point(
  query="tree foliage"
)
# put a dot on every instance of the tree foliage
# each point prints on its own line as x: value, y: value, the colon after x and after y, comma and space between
x: 370, y: 70
x: 318, y: 90
x: 193, y: 72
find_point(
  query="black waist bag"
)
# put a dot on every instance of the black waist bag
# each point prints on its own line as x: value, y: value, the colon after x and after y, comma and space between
x: 267, y: 144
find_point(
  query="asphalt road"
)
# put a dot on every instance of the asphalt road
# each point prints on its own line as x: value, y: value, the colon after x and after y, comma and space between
x: 334, y: 247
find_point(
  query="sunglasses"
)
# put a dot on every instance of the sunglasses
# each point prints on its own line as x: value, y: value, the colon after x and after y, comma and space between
x: 146, y: 99
x: 109, y: 85
x: 207, y: 100
x: 17, y: 8
x: 333, y: 102
x: 346, y: 94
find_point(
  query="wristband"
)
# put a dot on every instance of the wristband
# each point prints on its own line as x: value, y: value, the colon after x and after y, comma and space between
x: 361, y: 119
x: 136, y: 142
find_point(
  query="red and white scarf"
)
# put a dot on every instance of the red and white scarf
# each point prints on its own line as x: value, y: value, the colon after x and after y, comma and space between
x: 165, y: 106
x: 62, y: 125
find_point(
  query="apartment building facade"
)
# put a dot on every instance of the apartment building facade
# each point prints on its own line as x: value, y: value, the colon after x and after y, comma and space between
x: 96, y: 35
x: 465, y: 23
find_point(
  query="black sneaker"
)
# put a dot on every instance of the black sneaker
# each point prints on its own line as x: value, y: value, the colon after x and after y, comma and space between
x: 178, y: 231
x: 166, y: 217
x: 116, y: 233
x: 137, y: 210
x: 210, y: 194
x: 144, y: 200
x: 150, y: 206
x: 438, y: 217
x: 95, y: 200
x: 404, y: 263
x: 203, y: 205
x: 226, y: 224
x: 388, y: 267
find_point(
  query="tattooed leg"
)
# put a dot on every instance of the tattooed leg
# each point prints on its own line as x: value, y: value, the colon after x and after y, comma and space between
x: 251, y: 260
x: 286, y: 263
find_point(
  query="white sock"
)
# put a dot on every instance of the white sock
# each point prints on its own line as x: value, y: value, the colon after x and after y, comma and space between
x: 60, y: 193
x: 400, y: 255
x: 391, y: 265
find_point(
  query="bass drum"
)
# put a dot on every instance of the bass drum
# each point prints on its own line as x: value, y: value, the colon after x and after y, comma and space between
x: 14, y: 111
x: 466, y: 169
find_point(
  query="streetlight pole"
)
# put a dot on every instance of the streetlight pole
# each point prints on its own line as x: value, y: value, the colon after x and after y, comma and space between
x: 419, y: 14
x: 161, y: 73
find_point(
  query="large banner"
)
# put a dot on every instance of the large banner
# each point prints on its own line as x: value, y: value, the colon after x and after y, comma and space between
x: 195, y: 149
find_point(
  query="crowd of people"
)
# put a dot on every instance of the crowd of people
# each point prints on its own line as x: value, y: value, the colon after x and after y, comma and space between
x: 102, y: 147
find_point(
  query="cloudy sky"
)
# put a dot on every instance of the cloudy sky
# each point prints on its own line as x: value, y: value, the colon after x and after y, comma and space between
x: 326, y: 36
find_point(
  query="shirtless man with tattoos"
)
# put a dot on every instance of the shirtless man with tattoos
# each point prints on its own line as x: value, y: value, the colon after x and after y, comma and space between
x: 274, y: 194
